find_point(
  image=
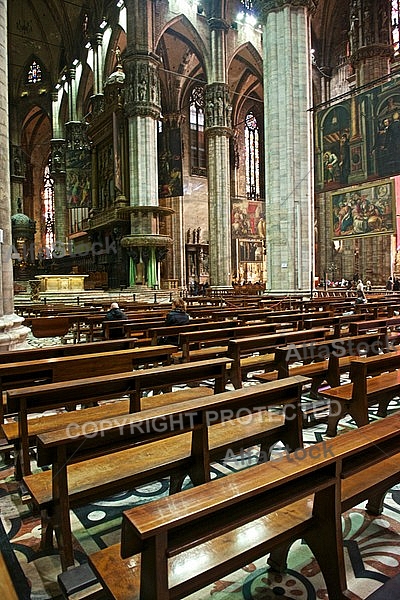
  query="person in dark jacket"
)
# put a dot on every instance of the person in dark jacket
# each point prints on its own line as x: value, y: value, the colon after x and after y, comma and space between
x: 116, y: 314
x: 176, y: 316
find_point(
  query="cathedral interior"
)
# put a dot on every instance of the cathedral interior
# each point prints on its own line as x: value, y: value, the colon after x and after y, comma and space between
x: 177, y: 144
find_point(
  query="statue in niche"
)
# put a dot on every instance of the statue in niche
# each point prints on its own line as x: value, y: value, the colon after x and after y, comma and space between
x: 198, y: 231
x: 194, y: 236
x: 188, y: 236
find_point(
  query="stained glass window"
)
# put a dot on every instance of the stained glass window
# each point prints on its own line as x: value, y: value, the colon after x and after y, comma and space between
x: 196, y: 121
x: 251, y: 140
x: 34, y: 73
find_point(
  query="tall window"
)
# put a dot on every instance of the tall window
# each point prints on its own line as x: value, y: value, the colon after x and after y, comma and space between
x: 48, y: 209
x: 196, y: 121
x: 34, y: 73
x: 395, y: 26
x: 251, y: 140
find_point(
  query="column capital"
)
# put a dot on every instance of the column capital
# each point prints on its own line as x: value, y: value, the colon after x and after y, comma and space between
x: 142, y: 91
x: 263, y: 7
x: 218, y: 107
x: 216, y: 24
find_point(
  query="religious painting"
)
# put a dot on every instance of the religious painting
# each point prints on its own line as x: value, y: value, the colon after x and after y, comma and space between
x: 364, y: 210
x: 358, y: 138
x: 248, y: 219
x: 78, y: 177
x: 170, y: 181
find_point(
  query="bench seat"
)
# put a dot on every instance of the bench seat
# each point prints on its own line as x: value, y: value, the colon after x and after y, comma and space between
x: 92, y: 479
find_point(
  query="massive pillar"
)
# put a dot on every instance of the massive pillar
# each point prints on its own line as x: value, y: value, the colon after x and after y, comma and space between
x: 58, y: 174
x: 288, y: 144
x: 145, y: 245
x: 12, y: 332
x: 218, y: 132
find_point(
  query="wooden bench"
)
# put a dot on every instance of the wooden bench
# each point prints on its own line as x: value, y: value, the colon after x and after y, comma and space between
x: 63, y: 368
x: 205, y: 533
x: 338, y: 322
x: 15, y: 356
x: 197, y: 345
x: 323, y: 360
x: 374, y: 379
x: 22, y: 432
x: 258, y: 353
x: 158, y: 332
x: 181, y: 439
x: 50, y: 326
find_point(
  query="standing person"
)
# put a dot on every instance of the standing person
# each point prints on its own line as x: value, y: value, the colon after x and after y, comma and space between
x: 396, y: 285
x: 115, y: 314
x: 176, y: 316
x: 361, y: 298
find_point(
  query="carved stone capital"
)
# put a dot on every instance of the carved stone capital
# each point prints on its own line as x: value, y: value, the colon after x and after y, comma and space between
x: 218, y: 107
x: 263, y: 7
x: 142, y: 90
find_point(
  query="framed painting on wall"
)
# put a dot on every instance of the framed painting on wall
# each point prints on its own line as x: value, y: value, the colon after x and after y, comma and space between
x: 363, y: 210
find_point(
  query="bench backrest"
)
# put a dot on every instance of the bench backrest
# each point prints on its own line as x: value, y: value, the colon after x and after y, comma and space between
x: 50, y: 326
x: 195, y: 325
x: 357, y: 327
x: 74, y: 367
x: 134, y: 383
x: 66, y: 350
x: 332, y: 349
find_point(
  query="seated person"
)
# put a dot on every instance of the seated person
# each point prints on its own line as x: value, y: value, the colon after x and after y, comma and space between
x: 176, y: 316
x: 115, y: 314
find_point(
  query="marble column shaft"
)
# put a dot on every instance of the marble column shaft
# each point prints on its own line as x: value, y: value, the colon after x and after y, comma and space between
x: 218, y: 131
x: 288, y: 144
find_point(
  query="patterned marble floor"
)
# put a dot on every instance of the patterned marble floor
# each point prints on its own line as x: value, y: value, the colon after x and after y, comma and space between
x: 372, y: 545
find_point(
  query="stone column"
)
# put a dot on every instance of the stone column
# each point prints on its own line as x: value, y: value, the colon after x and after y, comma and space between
x: 218, y: 131
x: 12, y: 332
x: 288, y: 144
x: 58, y: 174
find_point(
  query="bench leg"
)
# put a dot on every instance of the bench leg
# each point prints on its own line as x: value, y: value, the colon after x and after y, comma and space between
x: 336, y: 412
x: 175, y: 483
x: 278, y: 558
x: 383, y: 406
x: 46, y: 542
x: 375, y: 503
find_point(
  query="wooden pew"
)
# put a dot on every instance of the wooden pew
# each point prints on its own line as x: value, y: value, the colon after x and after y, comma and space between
x: 258, y: 353
x: 214, y: 342
x: 157, y: 332
x: 374, y: 379
x: 337, y: 322
x: 181, y: 439
x: 298, y: 496
x: 323, y: 360
x: 50, y: 326
x: 63, y: 368
x: 66, y: 350
x: 22, y: 432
